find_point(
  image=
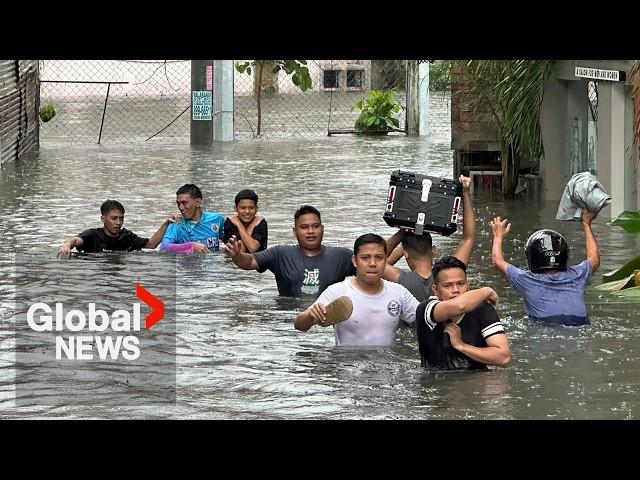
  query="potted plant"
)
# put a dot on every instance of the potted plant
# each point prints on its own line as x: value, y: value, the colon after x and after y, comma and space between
x: 378, y: 113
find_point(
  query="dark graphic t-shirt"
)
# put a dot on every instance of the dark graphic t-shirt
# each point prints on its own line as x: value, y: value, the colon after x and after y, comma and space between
x: 297, y: 274
x: 260, y: 233
x: 96, y: 241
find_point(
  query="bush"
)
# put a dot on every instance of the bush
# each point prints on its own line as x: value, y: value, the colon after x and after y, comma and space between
x: 379, y: 111
x: 47, y: 112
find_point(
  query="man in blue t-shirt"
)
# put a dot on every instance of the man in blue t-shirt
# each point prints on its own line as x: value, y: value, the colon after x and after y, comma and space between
x: 198, y: 231
x: 552, y: 291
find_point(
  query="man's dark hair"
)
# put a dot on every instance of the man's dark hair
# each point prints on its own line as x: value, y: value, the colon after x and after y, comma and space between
x: 246, y: 195
x: 417, y: 245
x: 109, y: 205
x: 369, y: 238
x: 190, y: 189
x: 444, y: 263
x: 303, y: 210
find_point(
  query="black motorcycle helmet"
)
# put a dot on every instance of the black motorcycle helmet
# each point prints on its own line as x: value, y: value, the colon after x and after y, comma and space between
x: 547, y: 250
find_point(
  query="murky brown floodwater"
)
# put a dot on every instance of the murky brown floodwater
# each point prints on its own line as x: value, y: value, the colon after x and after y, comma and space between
x: 238, y: 353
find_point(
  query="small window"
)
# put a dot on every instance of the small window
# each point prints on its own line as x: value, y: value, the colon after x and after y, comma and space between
x: 354, y: 78
x: 331, y: 79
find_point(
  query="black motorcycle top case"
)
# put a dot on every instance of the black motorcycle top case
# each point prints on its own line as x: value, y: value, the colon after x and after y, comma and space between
x: 420, y: 202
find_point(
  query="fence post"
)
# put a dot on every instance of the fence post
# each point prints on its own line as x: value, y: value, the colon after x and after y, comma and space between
x: 104, y: 110
x: 423, y: 92
x: 201, y: 131
x: 223, y: 100
x: 413, y: 104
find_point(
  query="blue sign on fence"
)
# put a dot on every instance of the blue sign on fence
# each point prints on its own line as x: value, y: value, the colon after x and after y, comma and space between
x: 201, y: 102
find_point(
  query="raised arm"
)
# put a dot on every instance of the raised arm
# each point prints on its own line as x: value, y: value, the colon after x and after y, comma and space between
x: 396, y: 255
x: 393, y: 241
x: 463, y: 303
x: 391, y: 273
x: 500, y: 230
x: 468, y: 242
x: 396, y: 252
x: 593, y: 251
x: 156, y: 238
x: 68, y: 245
x: 244, y: 260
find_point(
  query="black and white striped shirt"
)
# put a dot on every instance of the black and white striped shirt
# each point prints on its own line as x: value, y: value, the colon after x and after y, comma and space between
x: 436, y: 351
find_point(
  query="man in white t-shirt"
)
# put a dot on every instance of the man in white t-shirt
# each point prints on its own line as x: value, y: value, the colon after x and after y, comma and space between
x: 378, y: 305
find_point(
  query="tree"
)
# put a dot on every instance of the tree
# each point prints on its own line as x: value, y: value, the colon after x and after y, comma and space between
x: 512, y: 90
x: 440, y: 75
x: 296, y: 68
x: 634, y: 81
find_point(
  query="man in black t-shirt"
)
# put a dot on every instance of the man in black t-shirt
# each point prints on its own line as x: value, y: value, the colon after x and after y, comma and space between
x: 112, y: 236
x: 246, y: 226
x: 458, y: 328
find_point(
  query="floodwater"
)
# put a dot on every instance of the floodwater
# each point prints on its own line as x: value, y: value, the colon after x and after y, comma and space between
x: 238, y: 355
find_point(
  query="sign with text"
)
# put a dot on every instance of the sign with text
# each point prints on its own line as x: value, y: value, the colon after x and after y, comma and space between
x: 600, y: 74
x: 201, y: 102
x: 210, y: 77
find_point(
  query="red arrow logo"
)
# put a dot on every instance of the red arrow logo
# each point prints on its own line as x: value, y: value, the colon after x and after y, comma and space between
x: 157, y: 306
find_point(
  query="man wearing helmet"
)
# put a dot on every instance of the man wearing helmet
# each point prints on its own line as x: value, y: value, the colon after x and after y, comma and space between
x: 552, y: 291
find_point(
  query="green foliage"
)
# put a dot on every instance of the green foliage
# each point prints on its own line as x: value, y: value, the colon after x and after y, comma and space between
x: 379, y: 111
x: 440, y: 75
x: 296, y: 68
x: 626, y: 282
x: 632, y: 293
x: 630, y: 221
x: 47, y: 112
x: 512, y: 91
x: 624, y: 271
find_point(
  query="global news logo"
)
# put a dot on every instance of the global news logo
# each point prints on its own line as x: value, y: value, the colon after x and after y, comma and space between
x: 81, y: 334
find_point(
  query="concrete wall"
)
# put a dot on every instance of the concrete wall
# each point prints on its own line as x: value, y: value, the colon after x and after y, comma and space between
x: 554, y: 168
x: 565, y: 103
x: 472, y: 129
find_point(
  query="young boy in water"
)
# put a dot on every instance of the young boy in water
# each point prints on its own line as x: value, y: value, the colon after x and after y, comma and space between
x: 250, y: 228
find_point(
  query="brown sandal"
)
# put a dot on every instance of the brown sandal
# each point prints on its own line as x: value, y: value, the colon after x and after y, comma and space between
x: 339, y: 310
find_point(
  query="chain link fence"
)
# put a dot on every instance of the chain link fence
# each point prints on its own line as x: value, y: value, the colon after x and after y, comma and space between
x: 328, y: 106
x: 131, y: 101
x: 128, y: 101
